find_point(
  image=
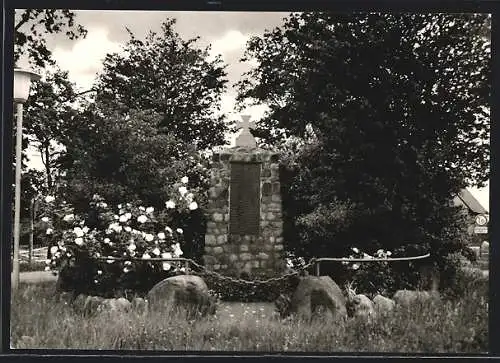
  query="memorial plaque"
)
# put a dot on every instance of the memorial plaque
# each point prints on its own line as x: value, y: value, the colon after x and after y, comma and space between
x: 244, y: 199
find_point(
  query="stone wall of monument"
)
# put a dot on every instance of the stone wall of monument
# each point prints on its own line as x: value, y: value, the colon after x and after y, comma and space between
x: 251, y: 255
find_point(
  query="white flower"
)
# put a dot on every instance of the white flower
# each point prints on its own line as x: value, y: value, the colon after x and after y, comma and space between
x: 179, y: 230
x: 193, y: 206
x: 45, y: 219
x: 355, y: 266
x: 166, y: 255
x: 190, y: 197
x: 126, y: 269
x: 49, y: 231
x: 156, y: 251
x: 47, y: 268
x: 49, y: 199
x: 185, y: 180
x: 110, y: 260
x: 103, y: 205
x: 142, y: 219
x: 48, y: 261
x: 119, y: 206
x: 146, y: 256
x: 161, y: 235
x: 355, y: 250
x: 85, y: 229
x: 99, y: 272
x: 128, y: 215
x: 142, y: 208
x: 177, y: 249
x: 69, y: 217
x: 131, y: 247
x: 116, y: 217
x: 107, y: 240
x: 166, y: 266
x: 53, y: 249
x: 79, y: 241
x: 149, y: 237
x: 127, y: 229
x: 123, y: 218
x: 170, y: 204
x: 388, y: 253
x: 150, y: 210
x: 115, y: 227
x: 168, y: 229
x: 182, y: 190
x: 78, y: 231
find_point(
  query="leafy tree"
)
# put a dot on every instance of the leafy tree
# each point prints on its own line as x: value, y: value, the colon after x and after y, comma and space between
x: 123, y: 156
x: 31, y: 27
x: 49, y: 112
x: 171, y: 76
x: 398, y: 109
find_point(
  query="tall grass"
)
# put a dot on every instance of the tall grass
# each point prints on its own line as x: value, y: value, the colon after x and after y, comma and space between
x: 450, y: 326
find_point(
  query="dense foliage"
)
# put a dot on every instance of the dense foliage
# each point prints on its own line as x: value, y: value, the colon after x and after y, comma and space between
x: 31, y: 27
x: 391, y: 113
x: 84, y: 249
x: 171, y: 76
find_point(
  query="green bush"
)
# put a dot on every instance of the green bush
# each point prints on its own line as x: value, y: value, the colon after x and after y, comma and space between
x: 100, y: 258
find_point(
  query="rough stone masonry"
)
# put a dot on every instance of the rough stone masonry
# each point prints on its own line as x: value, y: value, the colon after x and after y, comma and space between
x: 244, y: 229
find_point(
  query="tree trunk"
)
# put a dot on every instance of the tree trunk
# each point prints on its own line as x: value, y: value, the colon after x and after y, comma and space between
x: 47, y: 168
x: 32, y: 227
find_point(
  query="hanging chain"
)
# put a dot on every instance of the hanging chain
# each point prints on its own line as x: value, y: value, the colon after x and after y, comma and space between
x: 207, y: 272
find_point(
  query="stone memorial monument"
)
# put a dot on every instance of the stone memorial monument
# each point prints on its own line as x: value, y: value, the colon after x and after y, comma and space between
x: 244, y: 229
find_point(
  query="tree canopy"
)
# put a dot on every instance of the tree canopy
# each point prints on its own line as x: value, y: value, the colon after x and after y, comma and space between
x: 32, y: 26
x: 393, y: 114
x: 172, y: 77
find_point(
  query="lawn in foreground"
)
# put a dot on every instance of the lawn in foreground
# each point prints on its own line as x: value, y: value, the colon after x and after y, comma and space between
x: 38, y: 321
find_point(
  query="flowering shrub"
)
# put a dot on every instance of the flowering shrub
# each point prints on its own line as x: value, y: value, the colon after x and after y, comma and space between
x: 371, y: 277
x: 104, y: 258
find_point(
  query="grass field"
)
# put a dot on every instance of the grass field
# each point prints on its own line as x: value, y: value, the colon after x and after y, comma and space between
x: 451, y: 326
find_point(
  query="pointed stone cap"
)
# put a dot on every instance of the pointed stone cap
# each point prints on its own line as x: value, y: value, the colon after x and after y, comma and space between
x: 245, y: 139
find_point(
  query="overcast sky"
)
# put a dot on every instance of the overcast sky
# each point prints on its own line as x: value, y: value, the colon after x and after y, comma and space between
x: 227, y: 32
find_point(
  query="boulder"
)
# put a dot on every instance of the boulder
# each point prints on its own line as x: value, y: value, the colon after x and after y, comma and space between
x: 383, y: 305
x: 139, y: 304
x: 316, y: 292
x: 79, y: 303
x: 410, y: 297
x: 360, y: 306
x: 86, y: 304
x: 189, y: 292
x: 120, y: 305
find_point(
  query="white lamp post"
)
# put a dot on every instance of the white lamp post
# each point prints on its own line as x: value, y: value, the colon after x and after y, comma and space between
x: 22, y: 83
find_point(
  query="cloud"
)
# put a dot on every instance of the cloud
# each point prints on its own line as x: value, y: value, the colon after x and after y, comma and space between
x: 85, y: 58
x: 231, y: 41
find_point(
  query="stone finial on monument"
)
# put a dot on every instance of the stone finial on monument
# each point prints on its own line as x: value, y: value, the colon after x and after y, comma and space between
x: 245, y: 138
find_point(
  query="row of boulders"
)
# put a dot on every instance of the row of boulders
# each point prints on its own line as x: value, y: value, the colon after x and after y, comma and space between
x: 322, y: 294
x: 187, y: 292
x: 313, y: 296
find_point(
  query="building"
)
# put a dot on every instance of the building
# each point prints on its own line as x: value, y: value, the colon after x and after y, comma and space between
x: 478, y: 219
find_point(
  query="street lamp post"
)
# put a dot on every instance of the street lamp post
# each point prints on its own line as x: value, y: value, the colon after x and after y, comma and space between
x: 22, y: 83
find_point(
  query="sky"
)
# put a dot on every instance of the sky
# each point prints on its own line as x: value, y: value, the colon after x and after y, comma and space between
x: 227, y: 32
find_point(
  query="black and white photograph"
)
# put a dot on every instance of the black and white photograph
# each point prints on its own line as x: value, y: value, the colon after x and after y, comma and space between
x: 251, y: 181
